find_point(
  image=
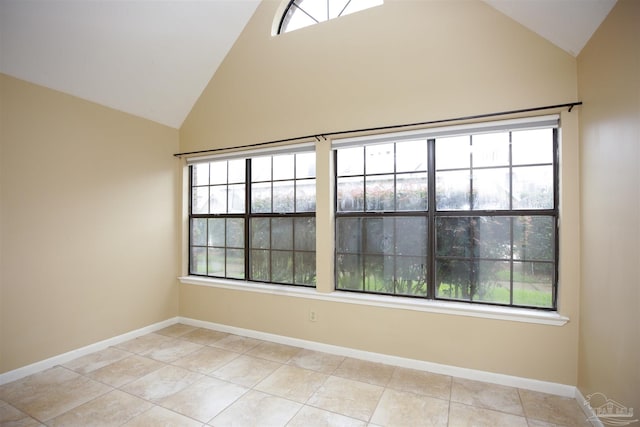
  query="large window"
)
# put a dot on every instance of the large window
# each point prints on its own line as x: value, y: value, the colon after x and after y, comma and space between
x: 466, y: 216
x: 254, y: 219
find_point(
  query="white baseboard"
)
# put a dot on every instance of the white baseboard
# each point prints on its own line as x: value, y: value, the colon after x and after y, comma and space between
x: 472, y: 374
x: 60, y: 359
x: 588, y: 410
x: 455, y: 371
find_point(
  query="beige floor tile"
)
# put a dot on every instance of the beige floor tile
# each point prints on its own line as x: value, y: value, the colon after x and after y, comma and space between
x: 162, y: 383
x: 538, y: 423
x: 161, y: 417
x: 91, y: 362
x: 206, y: 360
x: 347, y: 397
x: 246, y: 371
x: 125, y: 371
x: 399, y: 408
x: 176, y: 330
x: 204, y: 336
x: 112, y: 409
x: 553, y: 409
x: 204, y: 399
x: 421, y: 382
x: 12, y: 417
x: 313, y: 417
x: 485, y: 395
x: 143, y: 344
x: 316, y: 361
x: 273, y: 351
x: 172, y: 350
x: 470, y: 416
x: 236, y: 343
x: 50, y: 393
x: 292, y: 383
x: 365, y: 371
x: 257, y: 409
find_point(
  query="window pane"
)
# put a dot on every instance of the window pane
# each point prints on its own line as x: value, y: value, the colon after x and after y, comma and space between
x: 237, y: 171
x: 261, y: 197
x: 453, y: 279
x: 380, y: 193
x: 532, y: 146
x: 411, y: 276
x: 490, y: 149
x: 305, y: 273
x: 283, y: 167
x: 411, y: 156
x: 493, y: 282
x: 350, y: 194
x: 261, y: 169
x: 199, y: 232
x: 493, y: 235
x: 200, y: 173
x: 282, y: 266
x: 534, y: 238
x: 349, y: 235
x: 283, y: 196
x: 533, y: 284
x: 379, y: 272
x: 349, y: 272
x: 218, y: 199
x: 306, y: 195
x: 453, y: 236
x: 235, y: 232
x: 235, y: 263
x: 411, y: 192
x: 306, y: 165
x: 216, y: 262
x: 260, y: 233
x: 491, y: 189
x: 260, y: 265
x: 200, y: 200
x: 236, y: 198
x: 350, y: 161
x: 305, y: 234
x: 218, y: 172
x: 379, y: 158
x: 411, y: 236
x: 379, y: 235
x: 533, y: 187
x: 198, y: 261
x: 452, y: 190
x: 217, y: 231
x: 453, y: 153
x: 282, y: 233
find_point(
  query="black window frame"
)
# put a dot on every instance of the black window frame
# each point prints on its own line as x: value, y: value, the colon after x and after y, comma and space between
x: 247, y: 216
x: 433, y: 215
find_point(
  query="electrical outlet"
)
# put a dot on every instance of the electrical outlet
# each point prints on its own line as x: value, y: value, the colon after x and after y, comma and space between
x: 313, y: 316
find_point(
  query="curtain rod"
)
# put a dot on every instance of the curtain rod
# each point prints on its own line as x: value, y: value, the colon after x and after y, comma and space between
x: 324, y: 135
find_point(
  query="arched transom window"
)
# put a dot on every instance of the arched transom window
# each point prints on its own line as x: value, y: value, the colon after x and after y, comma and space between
x: 302, y: 13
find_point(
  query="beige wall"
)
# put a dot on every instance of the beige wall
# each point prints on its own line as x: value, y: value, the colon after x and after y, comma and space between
x: 609, y: 85
x: 405, y: 61
x: 88, y: 223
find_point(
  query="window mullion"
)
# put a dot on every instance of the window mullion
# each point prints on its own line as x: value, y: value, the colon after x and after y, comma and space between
x: 247, y: 219
x: 431, y: 208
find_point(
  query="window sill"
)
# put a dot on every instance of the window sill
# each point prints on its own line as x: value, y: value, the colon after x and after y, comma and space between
x: 429, y: 306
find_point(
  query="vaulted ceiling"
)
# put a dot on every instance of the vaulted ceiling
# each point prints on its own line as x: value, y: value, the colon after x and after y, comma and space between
x: 152, y: 58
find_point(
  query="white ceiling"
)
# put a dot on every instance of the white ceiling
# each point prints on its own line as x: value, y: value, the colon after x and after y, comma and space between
x: 153, y: 58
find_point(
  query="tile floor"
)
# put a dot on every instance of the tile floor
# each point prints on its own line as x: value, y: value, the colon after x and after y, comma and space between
x: 186, y: 376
